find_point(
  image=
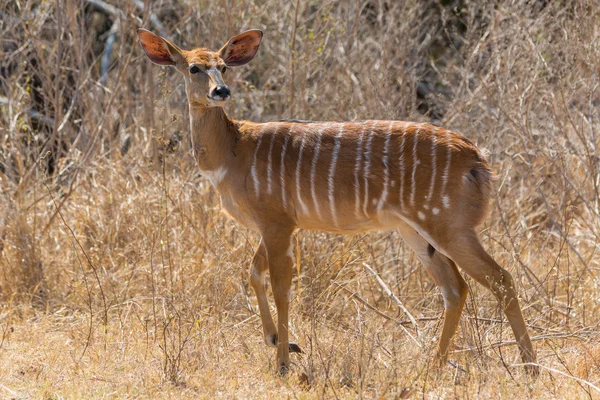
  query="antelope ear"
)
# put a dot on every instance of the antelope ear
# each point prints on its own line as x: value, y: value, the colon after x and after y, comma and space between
x: 240, y: 49
x: 159, y: 50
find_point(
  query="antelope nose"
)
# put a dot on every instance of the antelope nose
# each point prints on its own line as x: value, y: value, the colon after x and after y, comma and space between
x: 221, y: 92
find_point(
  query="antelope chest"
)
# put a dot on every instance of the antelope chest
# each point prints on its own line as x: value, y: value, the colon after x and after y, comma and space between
x: 236, y: 210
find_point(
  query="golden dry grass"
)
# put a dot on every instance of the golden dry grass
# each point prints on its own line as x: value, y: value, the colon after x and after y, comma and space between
x: 119, y: 278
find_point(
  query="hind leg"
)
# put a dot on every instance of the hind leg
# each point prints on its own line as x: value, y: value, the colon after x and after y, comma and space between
x: 446, y: 276
x: 469, y: 254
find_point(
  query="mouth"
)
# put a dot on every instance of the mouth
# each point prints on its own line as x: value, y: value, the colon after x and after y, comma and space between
x: 217, y: 99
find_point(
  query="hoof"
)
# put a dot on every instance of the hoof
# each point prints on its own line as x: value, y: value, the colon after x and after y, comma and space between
x: 294, y: 348
x: 271, y: 340
x: 283, y: 370
x: 532, y: 370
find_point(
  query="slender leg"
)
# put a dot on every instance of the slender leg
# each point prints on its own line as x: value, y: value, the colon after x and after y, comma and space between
x: 446, y: 276
x: 257, y: 279
x: 470, y: 255
x: 278, y: 245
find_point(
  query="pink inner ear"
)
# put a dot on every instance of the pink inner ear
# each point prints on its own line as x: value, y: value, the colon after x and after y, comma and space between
x: 155, y: 48
x: 242, y: 48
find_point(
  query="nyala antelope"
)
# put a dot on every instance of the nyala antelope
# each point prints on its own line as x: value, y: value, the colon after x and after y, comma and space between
x: 431, y: 184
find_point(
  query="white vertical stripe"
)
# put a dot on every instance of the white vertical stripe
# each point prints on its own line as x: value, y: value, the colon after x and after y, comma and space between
x: 413, y: 186
x: 366, y: 171
x: 313, y: 172
x: 282, y: 168
x: 330, y: 181
x: 386, y: 169
x: 357, y: 168
x: 270, y: 163
x: 298, y: 170
x: 433, y: 166
x: 253, y: 168
x: 402, y: 168
x: 445, y: 197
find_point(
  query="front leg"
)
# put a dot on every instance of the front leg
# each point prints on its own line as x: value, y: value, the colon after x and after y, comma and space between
x: 257, y: 280
x: 278, y: 244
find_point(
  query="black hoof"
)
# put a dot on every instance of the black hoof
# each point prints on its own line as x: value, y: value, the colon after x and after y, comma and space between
x: 283, y: 370
x: 294, y: 348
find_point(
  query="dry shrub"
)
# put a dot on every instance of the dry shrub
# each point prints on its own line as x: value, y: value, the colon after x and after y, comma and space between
x: 118, y: 273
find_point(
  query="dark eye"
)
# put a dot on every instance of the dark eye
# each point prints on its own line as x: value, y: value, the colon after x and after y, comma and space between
x: 223, y: 70
x: 194, y: 69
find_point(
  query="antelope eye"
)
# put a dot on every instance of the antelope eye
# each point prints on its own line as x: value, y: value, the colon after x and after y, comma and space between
x: 223, y: 70
x: 194, y: 69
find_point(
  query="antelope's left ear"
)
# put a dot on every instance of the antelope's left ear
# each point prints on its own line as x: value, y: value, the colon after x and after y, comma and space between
x: 240, y: 49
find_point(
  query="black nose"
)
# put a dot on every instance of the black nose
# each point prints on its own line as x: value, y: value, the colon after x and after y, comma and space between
x: 222, y: 92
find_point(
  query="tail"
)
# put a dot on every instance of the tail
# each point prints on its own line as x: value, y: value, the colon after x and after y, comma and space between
x: 480, y: 180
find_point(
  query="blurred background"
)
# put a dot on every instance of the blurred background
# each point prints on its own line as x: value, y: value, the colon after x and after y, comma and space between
x: 120, y: 277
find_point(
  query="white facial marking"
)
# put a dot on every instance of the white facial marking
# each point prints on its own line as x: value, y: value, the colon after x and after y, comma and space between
x: 421, y: 215
x: 366, y: 171
x: 270, y: 164
x: 446, y: 201
x: 386, y: 169
x: 215, y: 176
x: 433, y: 167
x: 402, y: 169
x: 313, y: 172
x: 413, y: 186
x: 330, y: 181
x: 282, y: 169
x: 356, y: 169
x: 298, y: 170
x: 435, y: 211
x: 253, y: 168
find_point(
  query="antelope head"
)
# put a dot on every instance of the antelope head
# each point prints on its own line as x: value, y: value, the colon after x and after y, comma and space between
x: 202, y: 69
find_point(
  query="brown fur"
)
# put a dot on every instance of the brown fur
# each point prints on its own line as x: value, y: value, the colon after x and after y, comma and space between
x: 280, y: 176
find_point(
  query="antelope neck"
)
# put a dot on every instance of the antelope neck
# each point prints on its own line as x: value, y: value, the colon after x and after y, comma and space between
x: 213, y: 136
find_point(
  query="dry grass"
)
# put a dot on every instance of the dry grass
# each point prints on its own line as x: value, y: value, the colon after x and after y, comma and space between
x: 120, y: 278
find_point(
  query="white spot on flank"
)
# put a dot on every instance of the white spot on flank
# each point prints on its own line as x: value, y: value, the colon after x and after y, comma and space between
x: 282, y: 169
x: 270, y: 164
x: 446, y: 201
x: 313, y: 173
x: 330, y: 181
x: 421, y: 215
x: 435, y: 211
x: 414, y: 171
x: 357, y: 168
x: 386, y: 169
x: 366, y: 171
x: 298, y: 170
x: 253, y: 168
x: 215, y: 176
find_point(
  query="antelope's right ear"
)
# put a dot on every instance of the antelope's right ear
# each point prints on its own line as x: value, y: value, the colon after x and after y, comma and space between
x: 159, y: 50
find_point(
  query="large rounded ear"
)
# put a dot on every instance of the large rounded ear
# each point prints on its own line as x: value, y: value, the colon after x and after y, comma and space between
x: 241, y: 48
x: 159, y: 50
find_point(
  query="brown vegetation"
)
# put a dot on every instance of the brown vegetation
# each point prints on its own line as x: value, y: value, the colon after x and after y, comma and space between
x: 119, y: 277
